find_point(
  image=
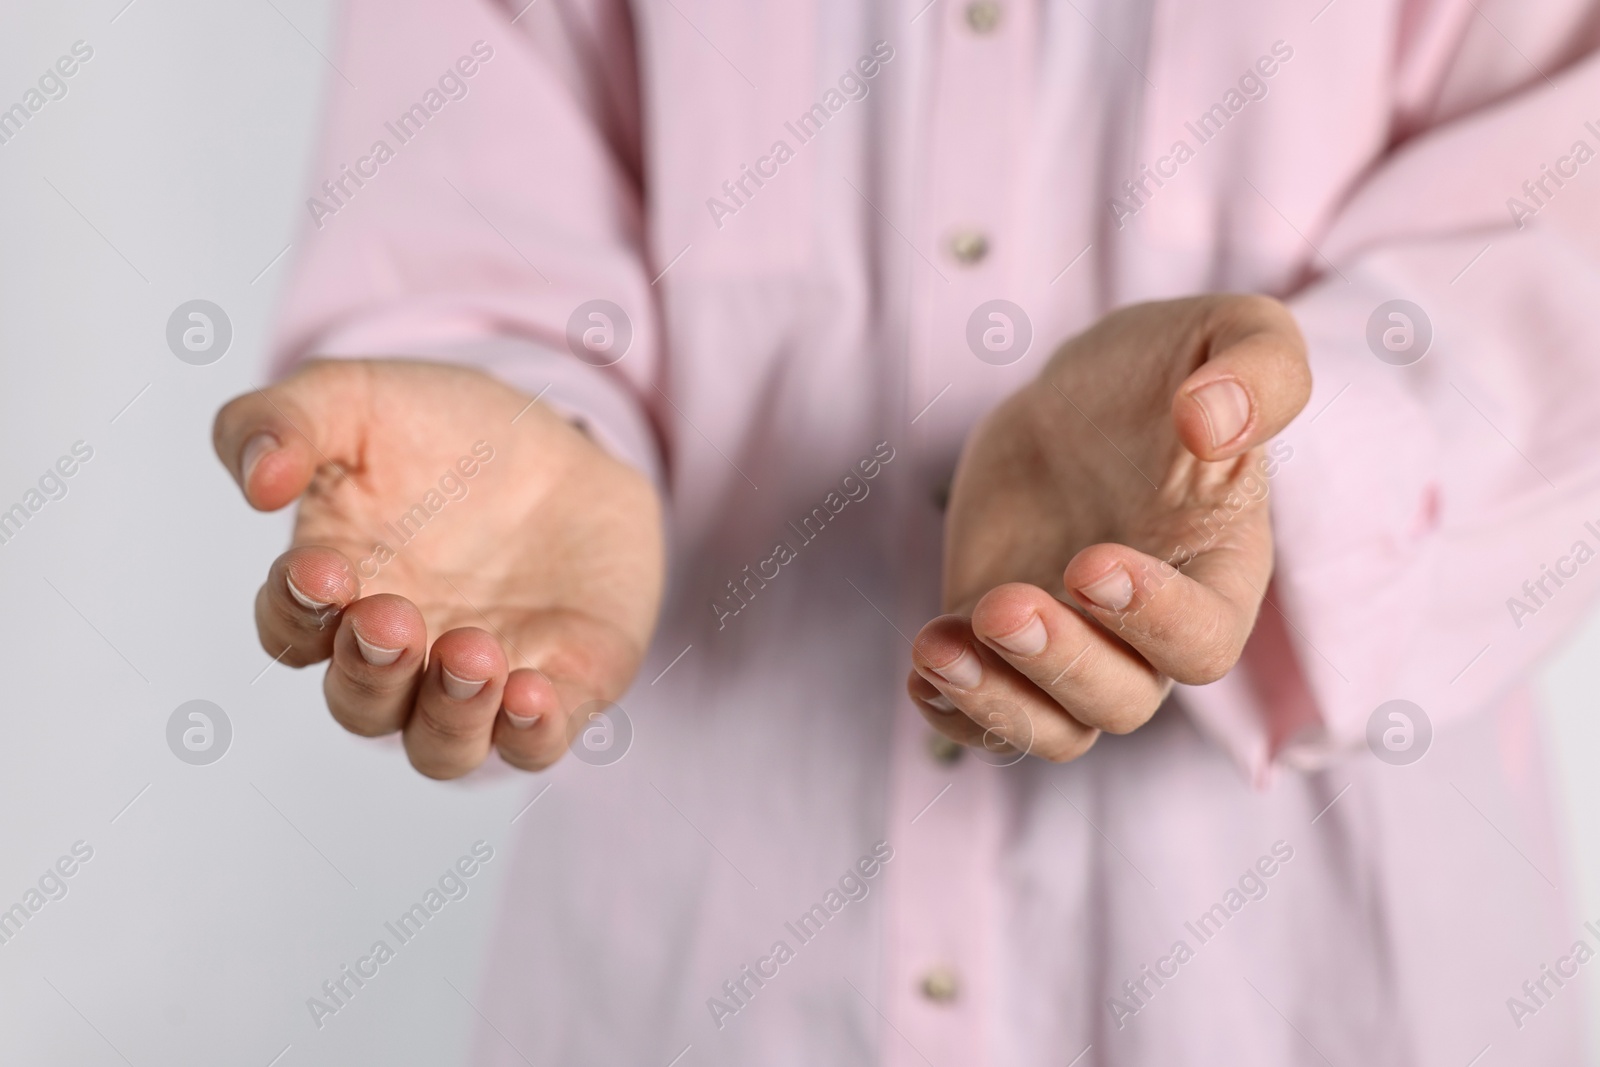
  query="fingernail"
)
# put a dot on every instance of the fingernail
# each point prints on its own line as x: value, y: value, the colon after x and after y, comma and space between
x: 303, y: 600
x: 1027, y: 641
x: 1113, y: 592
x: 378, y: 657
x: 254, y: 449
x: 460, y: 688
x: 940, y: 702
x: 1226, y: 407
x: 522, y: 722
x: 964, y: 672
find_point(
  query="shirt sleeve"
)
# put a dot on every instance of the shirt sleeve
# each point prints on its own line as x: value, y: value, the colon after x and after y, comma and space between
x: 1438, y: 520
x: 476, y: 198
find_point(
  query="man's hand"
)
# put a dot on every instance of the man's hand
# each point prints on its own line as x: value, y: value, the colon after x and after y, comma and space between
x: 437, y: 503
x: 1130, y: 481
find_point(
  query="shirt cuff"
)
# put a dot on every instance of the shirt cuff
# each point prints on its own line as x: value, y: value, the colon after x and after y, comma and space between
x: 1355, y: 516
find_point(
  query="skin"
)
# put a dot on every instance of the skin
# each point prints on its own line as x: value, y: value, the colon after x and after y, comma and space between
x: 514, y: 605
x: 1065, y: 618
x: 538, y: 590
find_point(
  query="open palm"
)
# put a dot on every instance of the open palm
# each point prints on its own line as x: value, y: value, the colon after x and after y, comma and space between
x: 437, y: 503
x: 1130, y: 481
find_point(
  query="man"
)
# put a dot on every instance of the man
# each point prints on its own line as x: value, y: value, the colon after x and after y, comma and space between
x: 711, y: 299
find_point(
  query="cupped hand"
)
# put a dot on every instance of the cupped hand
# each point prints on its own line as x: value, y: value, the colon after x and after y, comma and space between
x: 1108, y: 526
x: 475, y: 567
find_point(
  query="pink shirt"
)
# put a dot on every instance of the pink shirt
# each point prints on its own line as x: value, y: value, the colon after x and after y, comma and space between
x: 798, y: 208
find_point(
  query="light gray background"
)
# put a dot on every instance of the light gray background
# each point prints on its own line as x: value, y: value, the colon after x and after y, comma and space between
x: 219, y: 900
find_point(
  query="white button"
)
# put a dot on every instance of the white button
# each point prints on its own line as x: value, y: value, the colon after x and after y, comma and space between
x: 969, y: 246
x: 939, y: 985
x: 983, y: 16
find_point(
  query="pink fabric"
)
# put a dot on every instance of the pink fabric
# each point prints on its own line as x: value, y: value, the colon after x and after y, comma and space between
x: 780, y: 332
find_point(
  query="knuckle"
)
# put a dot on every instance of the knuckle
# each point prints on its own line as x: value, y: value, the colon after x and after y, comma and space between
x: 286, y: 652
x: 437, y: 769
x: 999, y: 716
x: 447, y: 727
x: 300, y: 624
x: 356, y: 715
x: 1159, y: 628
x: 1074, y: 670
x: 1213, y: 657
x: 362, y: 724
x: 439, y: 762
x: 956, y: 725
x: 1129, y: 717
x: 536, y: 760
x: 1055, y: 751
x: 1068, y: 747
x: 356, y: 689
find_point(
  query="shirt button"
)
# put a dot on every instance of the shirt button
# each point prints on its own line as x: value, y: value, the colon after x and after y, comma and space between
x: 969, y: 247
x: 944, y: 750
x: 939, y: 985
x: 940, y: 495
x: 983, y: 16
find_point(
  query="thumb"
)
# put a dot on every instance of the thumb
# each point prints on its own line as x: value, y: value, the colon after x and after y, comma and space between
x: 1254, y: 381
x: 274, y: 440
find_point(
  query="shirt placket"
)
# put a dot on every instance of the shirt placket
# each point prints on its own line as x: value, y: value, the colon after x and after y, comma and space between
x: 946, y: 811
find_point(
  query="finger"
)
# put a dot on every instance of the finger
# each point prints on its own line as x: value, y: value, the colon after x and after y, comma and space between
x: 992, y: 694
x: 572, y: 660
x: 273, y: 440
x: 379, y: 654
x: 530, y: 733
x: 298, y: 607
x: 1190, y: 624
x: 948, y: 720
x: 448, y: 733
x: 1254, y: 380
x: 1094, y: 677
